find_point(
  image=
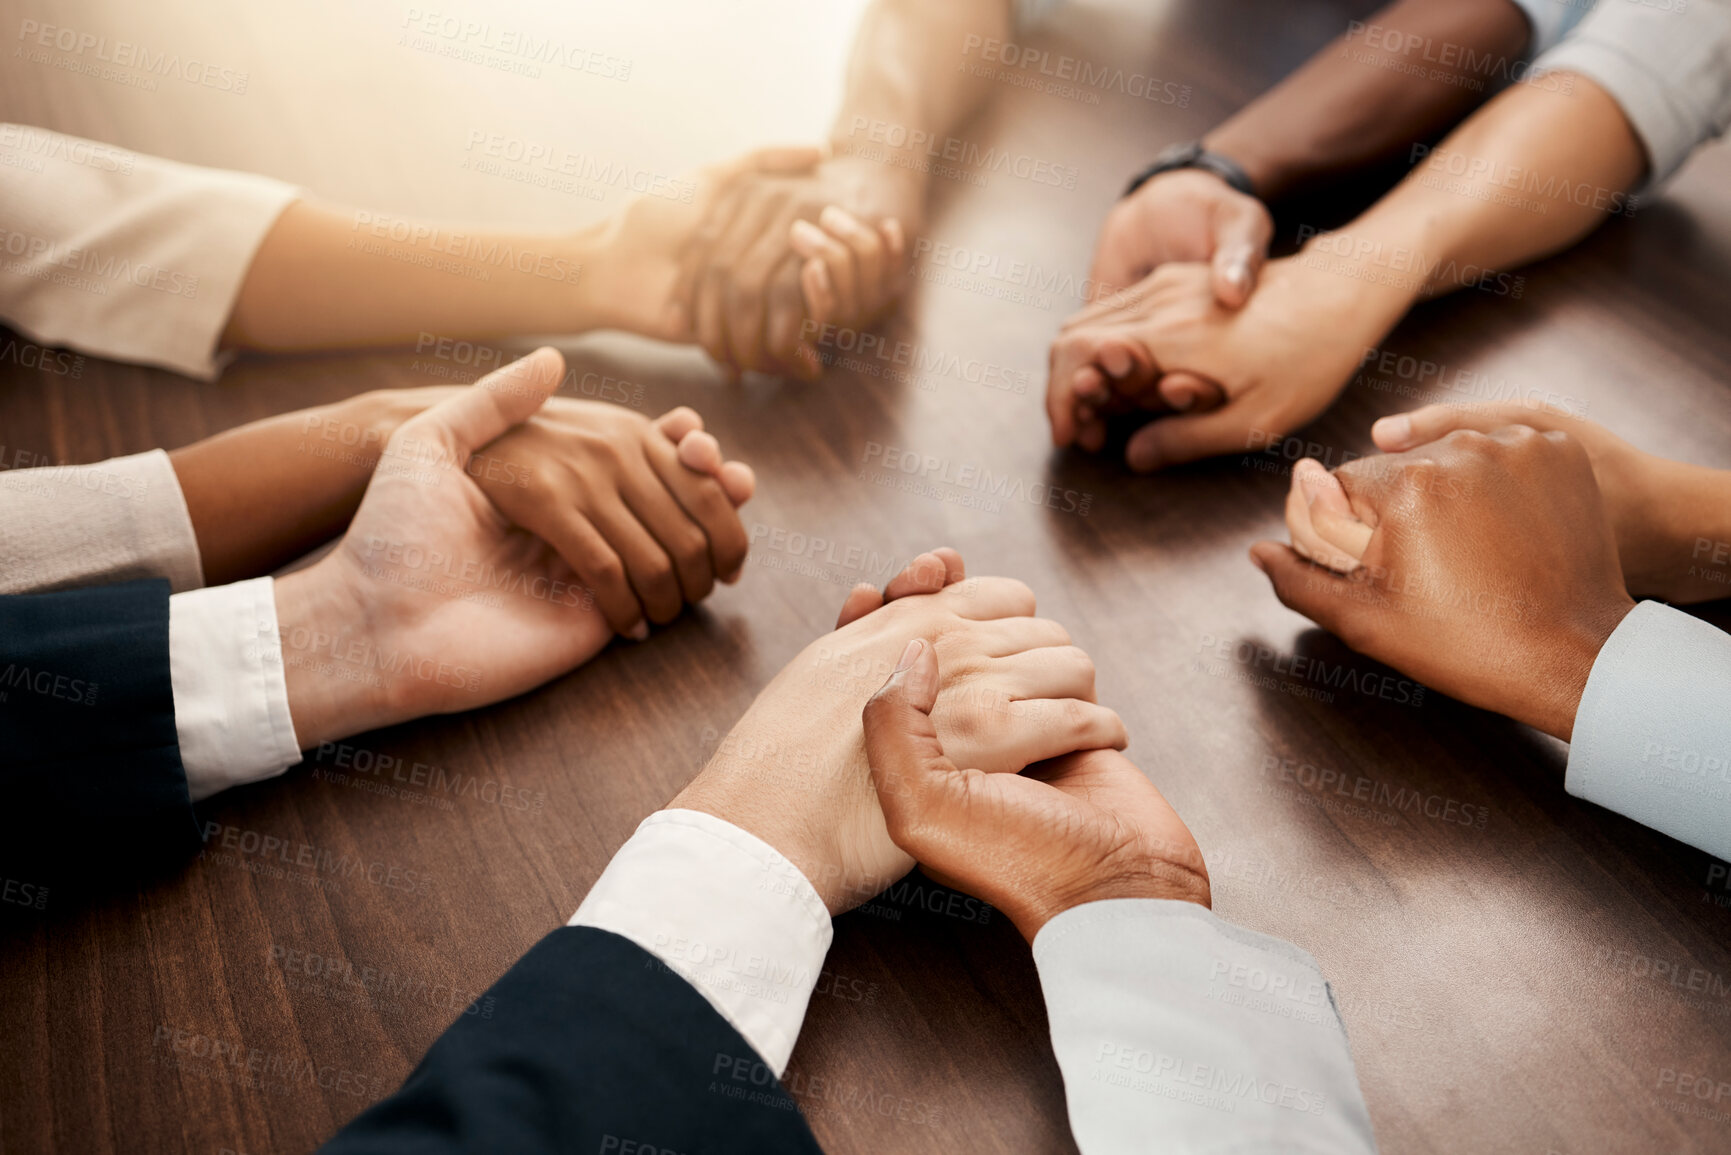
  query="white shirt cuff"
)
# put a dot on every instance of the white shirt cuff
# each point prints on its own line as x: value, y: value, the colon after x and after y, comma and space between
x: 1652, y: 737
x: 727, y: 912
x: 231, y: 707
x: 1169, y: 1021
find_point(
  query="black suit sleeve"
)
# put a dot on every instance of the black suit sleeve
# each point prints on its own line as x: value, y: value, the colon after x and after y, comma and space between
x: 592, y: 1045
x: 89, y: 757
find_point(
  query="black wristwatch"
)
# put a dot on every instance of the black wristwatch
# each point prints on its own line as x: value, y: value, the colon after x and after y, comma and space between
x: 1191, y: 154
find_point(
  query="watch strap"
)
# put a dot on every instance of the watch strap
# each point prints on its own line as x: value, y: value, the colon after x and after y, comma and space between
x: 1191, y: 154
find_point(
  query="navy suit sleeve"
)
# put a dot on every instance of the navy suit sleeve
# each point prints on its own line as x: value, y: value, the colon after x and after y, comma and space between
x: 588, y: 1044
x: 89, y: 757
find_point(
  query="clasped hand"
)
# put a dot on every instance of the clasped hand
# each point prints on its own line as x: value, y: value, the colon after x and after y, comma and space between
x: 1482, y: 564
x: 503, y: 539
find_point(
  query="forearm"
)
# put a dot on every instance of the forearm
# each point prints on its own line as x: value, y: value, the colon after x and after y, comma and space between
x: 331, y: 277
x: 1687, y: 555
x: 905, y: 84
x: 264, y: 494
x: 1404, y: 75
x: 1530, y: 174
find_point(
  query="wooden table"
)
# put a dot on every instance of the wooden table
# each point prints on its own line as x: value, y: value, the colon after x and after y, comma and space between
x: 1516, y: 969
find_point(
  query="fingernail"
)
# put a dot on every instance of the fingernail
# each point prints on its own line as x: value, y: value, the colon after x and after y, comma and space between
x: 1238, y: 272
x: 836, y: 220
x: 1394, y: 431
x: 910, y: 654
x: 1183, y: 402
x: 638, y: 632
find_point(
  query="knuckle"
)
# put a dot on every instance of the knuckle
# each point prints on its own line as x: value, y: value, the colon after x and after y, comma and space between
x: 1084, y: 665
x: 692, y: 546
x: 607, y: 572
x: 1021, y: 593
x: 1465, y: 440
x: 1521, y: 437
x: 656, y: 572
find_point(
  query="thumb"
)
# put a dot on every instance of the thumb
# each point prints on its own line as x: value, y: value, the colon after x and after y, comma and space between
x: 487, y: 409
x: 907, y: 760
x: 1315, y: 592
x: 1328, y: 516
x: 1242, y: 230
x: 1187, y: 437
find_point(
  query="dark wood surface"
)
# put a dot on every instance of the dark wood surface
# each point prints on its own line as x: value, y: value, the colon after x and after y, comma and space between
x: 1516, y: 982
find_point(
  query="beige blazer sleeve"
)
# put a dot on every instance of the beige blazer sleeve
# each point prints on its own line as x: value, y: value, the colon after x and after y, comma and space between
x: 122, y: 255
x: 76, y: 525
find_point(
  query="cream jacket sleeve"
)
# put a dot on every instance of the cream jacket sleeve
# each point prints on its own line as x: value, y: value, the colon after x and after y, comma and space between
x: 125, y: 256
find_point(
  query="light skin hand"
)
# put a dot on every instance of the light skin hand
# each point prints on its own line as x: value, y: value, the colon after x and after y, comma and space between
x: 329, y: 276
x: 643, y: 281
x: 369, y: 641
x: 926, y: 574
x: 263, y: 494
x: 1413, y: 244
x: 1487, y: 567
x: 793, y: 771
x: 1083, y: 827
x: 1184, y: 215
x: 1276, y: 363
x: 783, y: 254
x: 1668, y: 516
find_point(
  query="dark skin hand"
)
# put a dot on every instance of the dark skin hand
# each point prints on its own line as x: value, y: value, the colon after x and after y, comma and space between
x: 1671, y: 518
x: 1080, y: 828
x: 1356, y: 102
x: 1487, y: 567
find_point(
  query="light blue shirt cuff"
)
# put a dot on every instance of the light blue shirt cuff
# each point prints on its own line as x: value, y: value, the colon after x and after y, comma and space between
x: 1668, y: 67
x: 1551, y: 20
x: 1652, y: 737
x: 1026, y: 13
x: 1180, y: 1032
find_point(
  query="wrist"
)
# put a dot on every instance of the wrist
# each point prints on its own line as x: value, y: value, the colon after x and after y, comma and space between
x: 371, y: 419
x: 1373, y: 267
x: 1269, y: 176
x: 882, y: 177
x: 776, y: 822
x: 320, y: 620
x: 591, y: 299
x: 1678, y: 542
x: 1569, y: 665
x: 1169, y: 881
